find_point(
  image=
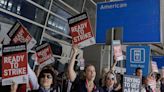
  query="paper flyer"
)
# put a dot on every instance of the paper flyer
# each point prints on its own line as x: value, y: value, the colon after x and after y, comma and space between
x: 118, y: 56
x: 14, y: 64
x: 44, y: 55
x: 19, y: 34
x: 81, y: 30
x: 154, y: 66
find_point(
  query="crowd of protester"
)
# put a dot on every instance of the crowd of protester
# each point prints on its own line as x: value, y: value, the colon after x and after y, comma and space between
x: 48, y: 79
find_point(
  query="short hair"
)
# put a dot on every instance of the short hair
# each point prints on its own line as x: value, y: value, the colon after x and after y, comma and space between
x: 138, y: 68
x: 51, y: 71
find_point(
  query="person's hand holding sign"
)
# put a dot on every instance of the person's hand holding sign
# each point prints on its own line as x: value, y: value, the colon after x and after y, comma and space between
x: 13, y: 87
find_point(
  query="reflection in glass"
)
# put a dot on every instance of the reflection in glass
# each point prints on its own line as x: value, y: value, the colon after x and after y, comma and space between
x: 25, y: 9
x: 78, y: 5
x: 90, y: 8
x: 58, y: 24
x: 59, y: 11
x: 34, y: 30
x: 58, y: 36
x: 55, y: 46
x: 44, y: 3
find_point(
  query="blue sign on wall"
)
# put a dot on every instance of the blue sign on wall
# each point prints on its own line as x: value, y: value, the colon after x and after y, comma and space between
x: 159, y: 60
x: 137, y: 56
x: 140, y: 20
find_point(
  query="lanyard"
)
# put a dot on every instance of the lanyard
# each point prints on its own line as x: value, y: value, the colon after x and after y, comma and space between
x: 87, y: 86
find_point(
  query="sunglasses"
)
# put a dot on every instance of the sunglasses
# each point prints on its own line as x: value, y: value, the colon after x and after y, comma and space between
x: 108, y: 78
x: 46, y: 75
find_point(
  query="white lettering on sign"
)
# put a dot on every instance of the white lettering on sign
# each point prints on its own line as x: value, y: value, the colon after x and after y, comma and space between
x: 79, y: 28
x: 131, y: 90
x: 43, y: 52
x: 17, y: 71
x: 132, y: 80
x: 44, y: 58
x: 112, y: 6
x: 76, y: 19
x: 13, y: 59
x: 131, y: 84
x: 44, y: 55
x: 82, y: 37
x: 21, y: 38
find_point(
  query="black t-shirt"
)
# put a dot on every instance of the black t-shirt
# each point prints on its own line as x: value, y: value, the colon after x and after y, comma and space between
x: 80, y: 86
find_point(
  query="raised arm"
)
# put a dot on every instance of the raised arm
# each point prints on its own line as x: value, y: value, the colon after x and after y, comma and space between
x: 113, y: 66
x: 71, y: 71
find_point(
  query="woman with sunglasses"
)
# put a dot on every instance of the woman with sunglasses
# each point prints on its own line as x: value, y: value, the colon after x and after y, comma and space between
x: 47, y: 81
x: 110, y: 83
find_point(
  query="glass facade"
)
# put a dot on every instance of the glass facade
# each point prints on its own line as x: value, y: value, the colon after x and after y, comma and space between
x: 37, y: 12
x: 91, y: 9
x: 24, y: 9
x: 60, y: 11
x: 44, y: 3
x: 46, y: 21
x: 58, y: 24
x: 58, y: 36
x: 78, y: 5
x: 34, y: 30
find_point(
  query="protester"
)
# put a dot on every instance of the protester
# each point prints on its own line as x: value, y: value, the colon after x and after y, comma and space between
x: 31, y: 85
x: 66, y: 83
x: 86, y: 85
x: 162, y: 85
x: 158, y: 82
x: 104, y: 71
x: 33, y: 82
x: 138, y: 72
x: 110, y: 83
x: 65, y: 80
x: 150, y: 83
x: 47, y: 81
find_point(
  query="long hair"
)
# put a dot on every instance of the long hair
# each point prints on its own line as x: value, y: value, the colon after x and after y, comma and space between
x: 106, y: 75
x: 88, y: 65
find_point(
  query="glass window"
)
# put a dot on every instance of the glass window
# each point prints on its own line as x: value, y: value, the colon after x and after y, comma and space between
x: 59, y: 49
x: 60, y: 11
x: 99, y: 1
x: 32, y: 12
x: 58, y: 24
x: 58, y: 36
x: 55, y: 46
x: 78, y: 5
x: 2, y: 3
x: 34, y: 30
x: 59, y: 66
x: 11, y: 5
x: 25, y: 9
x: 90, y: 8
x: 44, y: 3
